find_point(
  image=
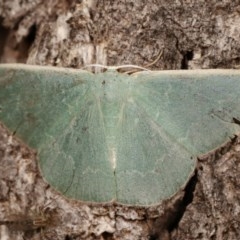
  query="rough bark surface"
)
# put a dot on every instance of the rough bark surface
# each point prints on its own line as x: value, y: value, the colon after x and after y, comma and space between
x: 154, y: 34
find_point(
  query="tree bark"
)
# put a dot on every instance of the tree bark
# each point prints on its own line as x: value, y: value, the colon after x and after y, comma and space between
x: 155, y: 34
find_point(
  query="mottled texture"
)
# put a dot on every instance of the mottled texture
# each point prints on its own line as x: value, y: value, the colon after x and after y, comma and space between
x: 215, y: 210
x: 166, y: 35
x: 178, y: 34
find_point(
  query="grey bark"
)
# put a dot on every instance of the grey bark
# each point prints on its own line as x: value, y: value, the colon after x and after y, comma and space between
x: 155, y: 34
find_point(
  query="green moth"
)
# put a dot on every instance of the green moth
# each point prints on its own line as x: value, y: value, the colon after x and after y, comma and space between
x: 104, y: 137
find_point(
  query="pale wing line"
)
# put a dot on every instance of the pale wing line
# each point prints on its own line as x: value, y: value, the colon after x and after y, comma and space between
x: 39, y: 122
x: 169, y: 136
x: 86, y: 169
x: 77, y: 169
x: 60, y: 150
x: 66, y: 105
x: 156, y: 94
x: 164, y: 134
x: 97, y: 102
x: 48, y: 109
x: 56, y: 141
x: 121, y: 114
x: 153, y: 91
x: 102, y: 118
x: 104, y: 131
x: 134, y: 171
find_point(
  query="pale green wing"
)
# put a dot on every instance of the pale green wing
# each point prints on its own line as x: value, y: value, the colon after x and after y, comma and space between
x: 167, y: 120
x: 58, y: 112
x: 113, y: 136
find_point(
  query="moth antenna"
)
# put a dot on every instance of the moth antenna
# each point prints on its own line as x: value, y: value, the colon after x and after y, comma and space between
x: 158, y: 57
x: 116, y: 67
x: 149, y: 64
